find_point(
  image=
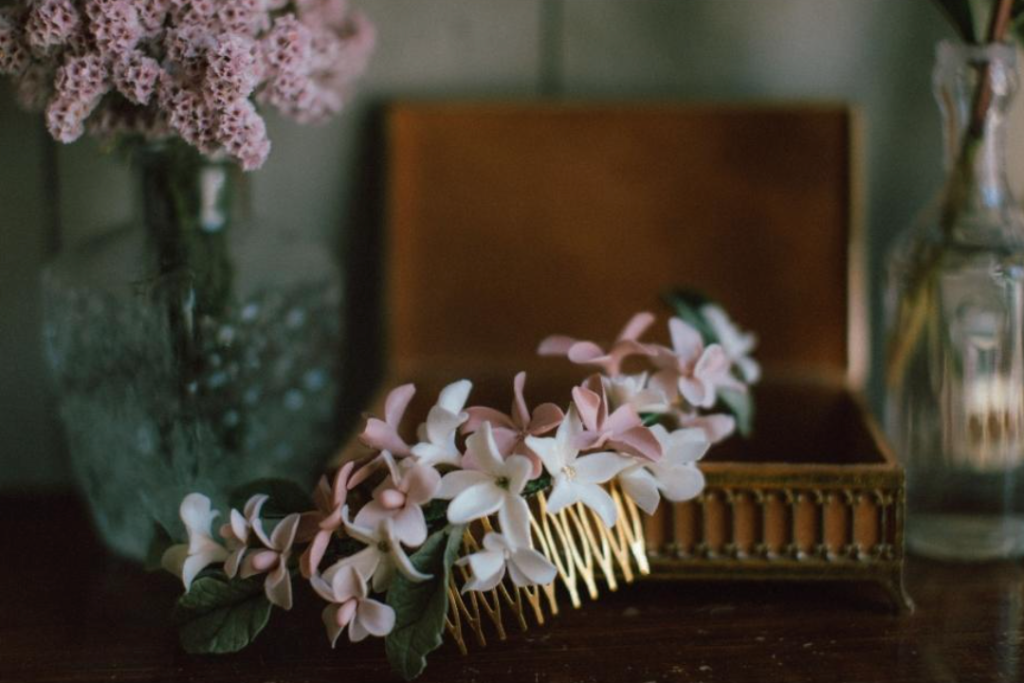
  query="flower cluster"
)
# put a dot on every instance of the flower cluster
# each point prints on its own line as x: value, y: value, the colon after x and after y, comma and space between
x: 468, y: 464
x: 195, y: 69
x: 681, y: 383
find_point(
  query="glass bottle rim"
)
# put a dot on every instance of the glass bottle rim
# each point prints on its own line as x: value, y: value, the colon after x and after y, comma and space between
x: 954, y: 53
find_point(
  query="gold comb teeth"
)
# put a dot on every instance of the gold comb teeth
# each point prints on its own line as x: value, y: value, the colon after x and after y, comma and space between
x: 584, y: 552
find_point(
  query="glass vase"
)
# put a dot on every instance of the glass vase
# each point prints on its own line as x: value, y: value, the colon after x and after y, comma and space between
x: 192, y: 350
x: 955, y: 366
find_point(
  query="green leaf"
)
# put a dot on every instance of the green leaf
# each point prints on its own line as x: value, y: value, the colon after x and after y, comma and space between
x: 420, y: 608
x: 959, y: 14
x: 218, y: 615
x: 286, y: 496
x: 741, y: 405
x: 650, y: 419
x: 687, y: 304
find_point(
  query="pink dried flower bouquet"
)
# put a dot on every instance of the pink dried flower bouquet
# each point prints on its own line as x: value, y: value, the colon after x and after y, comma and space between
x: 195, y: 69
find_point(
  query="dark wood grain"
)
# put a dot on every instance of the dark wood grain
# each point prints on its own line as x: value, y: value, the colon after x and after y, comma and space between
x: 68, y: 612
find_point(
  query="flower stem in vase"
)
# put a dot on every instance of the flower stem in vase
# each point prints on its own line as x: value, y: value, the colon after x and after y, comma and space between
x: 187, y: 214
x: 913, y: 313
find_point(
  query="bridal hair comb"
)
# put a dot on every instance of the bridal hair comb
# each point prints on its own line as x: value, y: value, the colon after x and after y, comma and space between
x: 483, y: 522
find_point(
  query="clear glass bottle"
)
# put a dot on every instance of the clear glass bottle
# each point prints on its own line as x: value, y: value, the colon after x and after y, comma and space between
x: 955, y: 309
x: 193, y: 350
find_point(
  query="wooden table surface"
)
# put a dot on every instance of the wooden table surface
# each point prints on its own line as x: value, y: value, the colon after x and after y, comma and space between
x: 68, y: 612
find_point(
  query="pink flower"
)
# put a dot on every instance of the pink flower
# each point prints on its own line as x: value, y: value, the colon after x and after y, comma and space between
x: 330, y: 501
x: 65, y: 118
x: 50, y: 24
x: 136, y: 77
x: 346, y: 590
x: 510, y: 431
x: 622, y: 430
x: 273, y: 560
x: 14, y: 55
x: 186, y: 560
x: 115, y: 25
x: 716, y: 427
x: 589, y: 353
x: 383, y: 435
x: 400, y: 498
x: 233, y: 70
x: 691, y: 370
x: 236, y: 533
x: 243, y: 134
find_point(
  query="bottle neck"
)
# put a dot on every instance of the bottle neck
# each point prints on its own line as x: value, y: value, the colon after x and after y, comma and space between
x: 180, y: 191
x: 974, y: 86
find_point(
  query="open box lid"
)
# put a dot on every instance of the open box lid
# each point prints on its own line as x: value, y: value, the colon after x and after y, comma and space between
x: 510, y: 222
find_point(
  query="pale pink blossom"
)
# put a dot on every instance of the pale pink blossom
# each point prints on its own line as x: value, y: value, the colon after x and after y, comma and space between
x: 692, y: 370
x: 621, y: 430
x: 675, y: 476
x: 50, y: 24
x: 236, y: 532
x: 437, y: 435
x: 243, y: 134
x: 400, y: 498
x: 136, y: 77
x: 716, y: 427
x: 346, y: 590
x: 737, y: 344
x: 495, y: 487
x: 188, y: 559
x: 383, y: 555
x: 588, y: 353
x: 574, y: 478
x: 383, y: 434
x: 510, y: 431
x: 14, y: 54
x: 330, y: 501
x: 272, y: 559
x: 233, y: 70
x: 524, y: 565
x: 114, y: 25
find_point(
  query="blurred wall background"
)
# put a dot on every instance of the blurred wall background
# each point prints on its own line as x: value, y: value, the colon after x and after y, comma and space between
x: 876, y: 54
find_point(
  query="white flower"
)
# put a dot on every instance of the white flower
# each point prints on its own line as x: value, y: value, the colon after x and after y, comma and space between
x: 437, y: 434
x: 188, y: 559
x: 400, y: 497
x: 577, y: 479
x: 273, y: 558
x: 382, y: 556
x: 675, y: 476
x: 633, y: 390
x: 690, y: 369
x: 737, y: 344
x: 342, y: 586
x: 236, y: 532
x: 493, y: 488
x: 526, y: 566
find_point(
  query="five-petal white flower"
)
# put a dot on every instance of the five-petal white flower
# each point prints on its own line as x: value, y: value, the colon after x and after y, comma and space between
x: 675, y: 476
x: 495, y: 487
x: 736, y: 343
x: 186, y: 560
x: 437, y: 434
x: 273, y: 558
x: 382, y: 556
x: 578, y: 479
x: 634, y: 390
x: 236, y: 532
x: 526, y: 566
x: 345, y: 589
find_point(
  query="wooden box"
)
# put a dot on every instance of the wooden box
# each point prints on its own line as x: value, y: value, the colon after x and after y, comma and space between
x: 509, y: 222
